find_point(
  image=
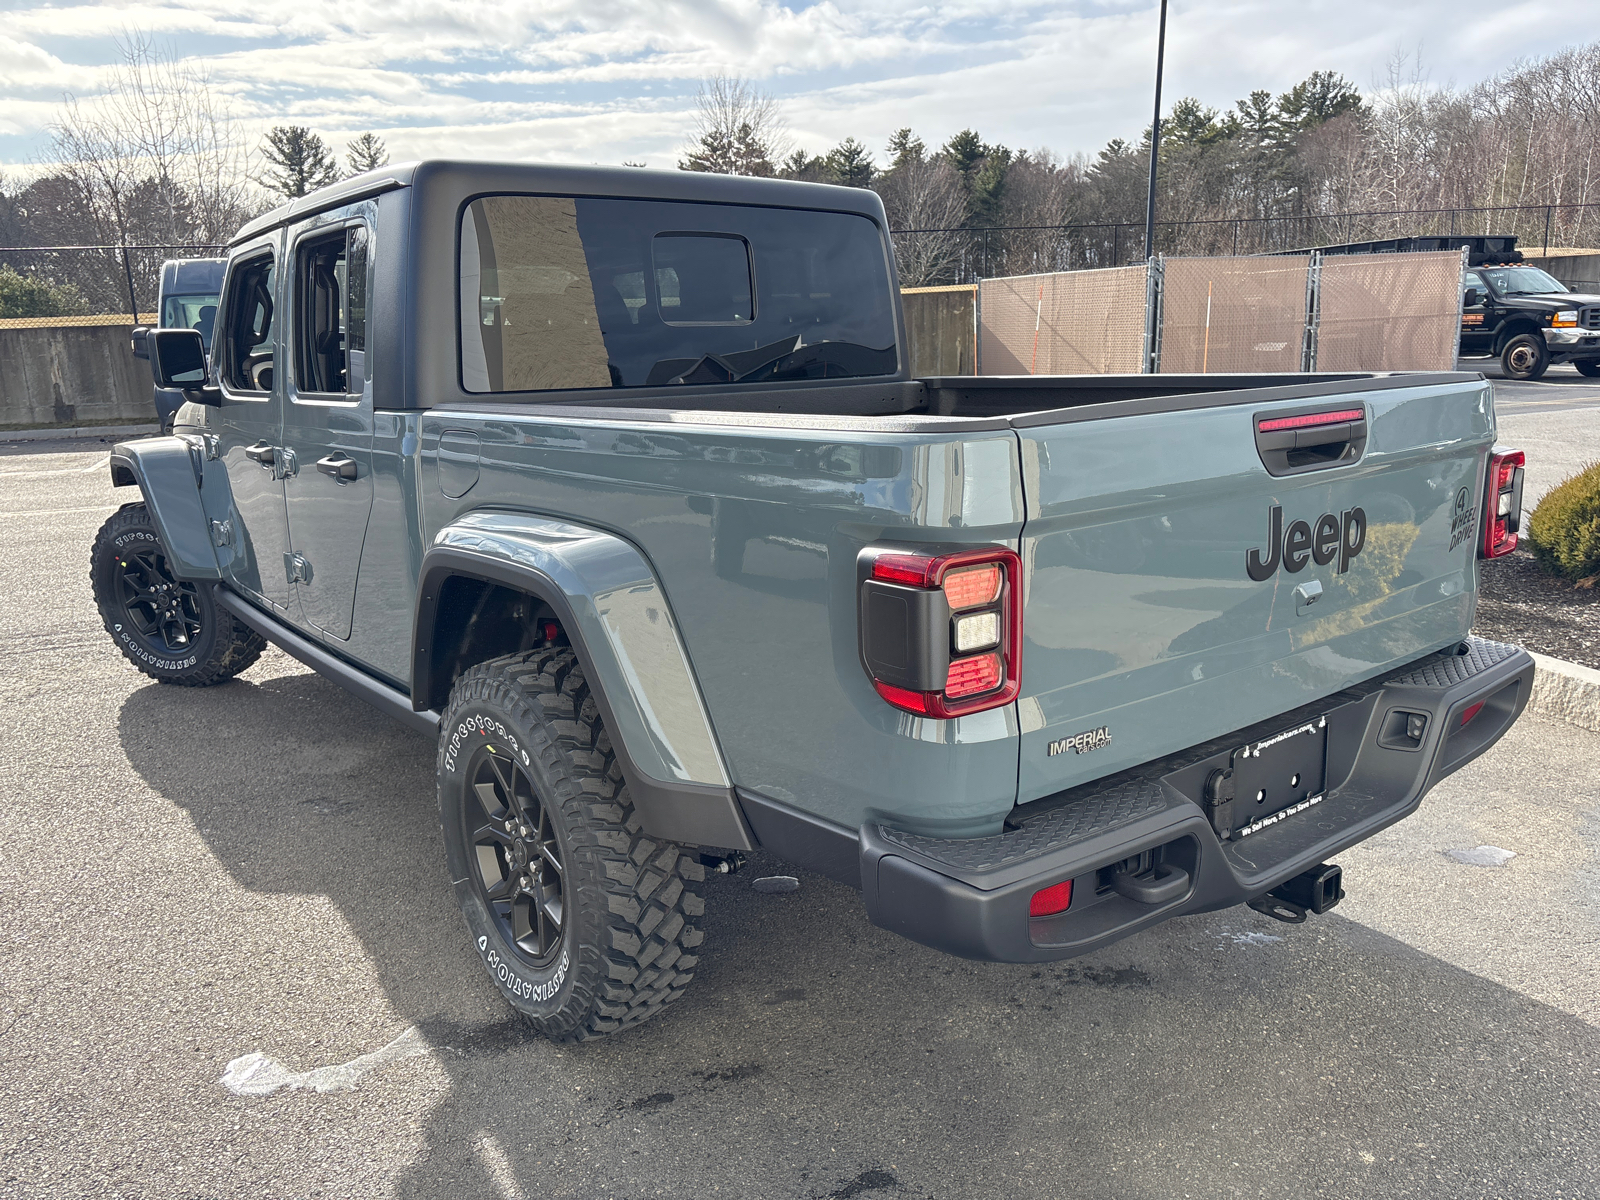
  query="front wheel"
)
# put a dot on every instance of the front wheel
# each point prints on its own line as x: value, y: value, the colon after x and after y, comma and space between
x: 586, y: 924
x: 169, y: 628
x: 1524, y: 357
x: 1589, y: 367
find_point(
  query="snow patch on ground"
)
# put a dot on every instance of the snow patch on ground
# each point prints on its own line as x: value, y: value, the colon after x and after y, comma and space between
x: 1481, y: 856
x: 259, y: 1074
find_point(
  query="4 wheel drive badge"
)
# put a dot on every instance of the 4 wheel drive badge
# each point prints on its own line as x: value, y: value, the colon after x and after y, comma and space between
x: 1082, y: 743
x: 1334, y: 537
x: 1464, y: 520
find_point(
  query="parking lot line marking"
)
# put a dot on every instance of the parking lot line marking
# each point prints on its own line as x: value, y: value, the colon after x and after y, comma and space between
x: 97, y: 465
x: 55, y: 512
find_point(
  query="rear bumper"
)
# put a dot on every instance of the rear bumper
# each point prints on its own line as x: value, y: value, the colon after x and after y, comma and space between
x: 971, y: 897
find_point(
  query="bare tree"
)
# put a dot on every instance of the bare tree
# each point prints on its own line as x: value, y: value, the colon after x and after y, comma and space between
x: 738, y: 129
x: 156, y: 156
x: 924, y: 195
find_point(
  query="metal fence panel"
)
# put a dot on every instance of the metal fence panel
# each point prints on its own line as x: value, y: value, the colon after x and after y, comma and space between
x: 1233, y: 314
x: 1071, y: 323
x: 1389, y: 312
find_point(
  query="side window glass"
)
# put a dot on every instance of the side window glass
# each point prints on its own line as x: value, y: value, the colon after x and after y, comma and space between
x: 247, y: 359
x: 331, y: 312
x: 1473, y: 280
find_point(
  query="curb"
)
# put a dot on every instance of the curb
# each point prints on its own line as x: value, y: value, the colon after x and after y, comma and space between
x: 70, y: 431
x: 1566, y: 691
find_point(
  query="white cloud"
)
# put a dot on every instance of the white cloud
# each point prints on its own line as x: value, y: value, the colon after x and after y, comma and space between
x: 603, y: 80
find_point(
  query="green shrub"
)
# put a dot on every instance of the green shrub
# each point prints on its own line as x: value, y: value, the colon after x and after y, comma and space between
x: 1564, y: 531
x: 25, y: 296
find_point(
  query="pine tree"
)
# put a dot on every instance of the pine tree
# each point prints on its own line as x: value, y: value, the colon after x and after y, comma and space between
x: 1320, y: 97
x: 905, y: 148
x: 850, y: 163
x: 298, y: 161
x: 366, y: 153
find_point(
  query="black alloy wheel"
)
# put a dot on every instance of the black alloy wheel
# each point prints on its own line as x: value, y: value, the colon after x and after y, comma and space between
x: 163, y: 612
x: 170, y: 629
x: 516, y: 860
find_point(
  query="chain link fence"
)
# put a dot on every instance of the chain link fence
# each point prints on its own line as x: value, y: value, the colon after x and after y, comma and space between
x: 85, y: 285
x: 1388, y: 312
x: 1284, y: 313
x: 1233, y: 314
x: 1073, y: 323
x: 966, y: 255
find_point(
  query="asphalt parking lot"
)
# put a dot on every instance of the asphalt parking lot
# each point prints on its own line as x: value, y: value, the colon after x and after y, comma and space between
x: 189, y: 877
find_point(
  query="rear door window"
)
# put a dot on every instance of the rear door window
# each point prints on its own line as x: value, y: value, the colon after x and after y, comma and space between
x: 560, y: 292
x: 331, y: 312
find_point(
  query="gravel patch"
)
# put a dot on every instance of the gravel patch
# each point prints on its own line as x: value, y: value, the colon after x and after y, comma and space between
x: 1519, y: 603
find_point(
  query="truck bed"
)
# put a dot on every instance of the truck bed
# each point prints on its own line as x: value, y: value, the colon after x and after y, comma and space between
x: 1001, y: 399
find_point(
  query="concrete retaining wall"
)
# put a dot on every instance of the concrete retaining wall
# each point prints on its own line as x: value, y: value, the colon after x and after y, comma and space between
x: 1578, y: 270
x: 77, y: 374
x: 941, y: 325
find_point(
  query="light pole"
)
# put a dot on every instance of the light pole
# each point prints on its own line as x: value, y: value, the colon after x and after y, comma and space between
x: 1155, y: 141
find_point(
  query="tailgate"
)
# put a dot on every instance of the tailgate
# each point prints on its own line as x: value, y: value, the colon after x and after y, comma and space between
x: 1144, y: 631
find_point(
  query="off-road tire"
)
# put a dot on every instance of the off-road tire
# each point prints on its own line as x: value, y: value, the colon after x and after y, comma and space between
x: 629, y: 939
x: 1589, y: 367
x: 1525, y: 357
x: 219, y: 647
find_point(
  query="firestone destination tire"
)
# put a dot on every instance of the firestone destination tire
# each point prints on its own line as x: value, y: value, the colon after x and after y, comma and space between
x: 585, y: 923
x: 170, y: 629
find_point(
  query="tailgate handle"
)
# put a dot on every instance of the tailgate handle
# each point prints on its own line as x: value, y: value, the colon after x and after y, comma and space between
x: 1292, y: 442
x: 1154, y: 888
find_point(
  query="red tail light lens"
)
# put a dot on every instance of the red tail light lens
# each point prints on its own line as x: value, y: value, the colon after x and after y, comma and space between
x: 1502, y: 502
x: 972, y: 587
x: 1471, y: 712
x: 941, y: 635
x: 1047, y: 902
x: 969, y: 676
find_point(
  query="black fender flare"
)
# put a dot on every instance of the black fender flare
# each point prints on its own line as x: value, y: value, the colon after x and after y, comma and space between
x: 679, y: 809
x: 170, y: 472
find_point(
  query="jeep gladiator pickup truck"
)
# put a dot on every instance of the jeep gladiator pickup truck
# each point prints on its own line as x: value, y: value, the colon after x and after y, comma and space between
x: 615, y: 482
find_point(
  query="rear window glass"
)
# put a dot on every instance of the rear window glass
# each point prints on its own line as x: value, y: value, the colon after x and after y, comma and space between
x: 559, y: 292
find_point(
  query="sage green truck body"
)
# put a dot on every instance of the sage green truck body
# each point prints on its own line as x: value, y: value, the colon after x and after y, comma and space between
x: 702, y: 547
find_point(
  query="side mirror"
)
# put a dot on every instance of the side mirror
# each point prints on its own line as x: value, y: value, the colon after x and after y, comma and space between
x: 140, y: 350
x: 178, y: 360
x: 1472, y: 298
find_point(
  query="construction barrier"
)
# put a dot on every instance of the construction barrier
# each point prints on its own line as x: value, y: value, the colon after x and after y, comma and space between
x: 1065, y: 323
x: 1267, y: 313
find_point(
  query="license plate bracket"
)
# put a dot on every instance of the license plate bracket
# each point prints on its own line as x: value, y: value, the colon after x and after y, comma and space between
x: 1287, y: 771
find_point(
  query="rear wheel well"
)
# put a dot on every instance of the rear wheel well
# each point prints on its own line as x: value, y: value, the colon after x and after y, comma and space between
x: 1516, y: 329
x: 478, y: 620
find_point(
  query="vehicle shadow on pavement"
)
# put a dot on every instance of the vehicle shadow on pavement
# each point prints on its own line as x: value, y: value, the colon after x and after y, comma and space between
x: 817, y: 1056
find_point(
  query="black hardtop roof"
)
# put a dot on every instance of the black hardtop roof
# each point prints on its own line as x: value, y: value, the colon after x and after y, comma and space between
x: 476, y: 178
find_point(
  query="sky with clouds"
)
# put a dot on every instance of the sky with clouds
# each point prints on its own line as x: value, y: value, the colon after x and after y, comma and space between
x: 612, y: 80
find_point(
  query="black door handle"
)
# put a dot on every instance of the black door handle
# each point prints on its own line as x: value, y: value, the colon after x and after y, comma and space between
x: 262, y: 453
x: 1154, y: 888
x: 341, y: 467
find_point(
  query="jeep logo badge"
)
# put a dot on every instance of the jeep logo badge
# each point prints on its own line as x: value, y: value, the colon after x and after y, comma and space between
x: 1338, y: 537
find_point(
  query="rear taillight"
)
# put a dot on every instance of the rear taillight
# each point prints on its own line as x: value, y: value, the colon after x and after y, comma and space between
x: 941, y: 634
x: 1502, y: 511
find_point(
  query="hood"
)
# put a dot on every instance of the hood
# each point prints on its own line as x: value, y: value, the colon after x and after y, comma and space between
x: 1553, y: 301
